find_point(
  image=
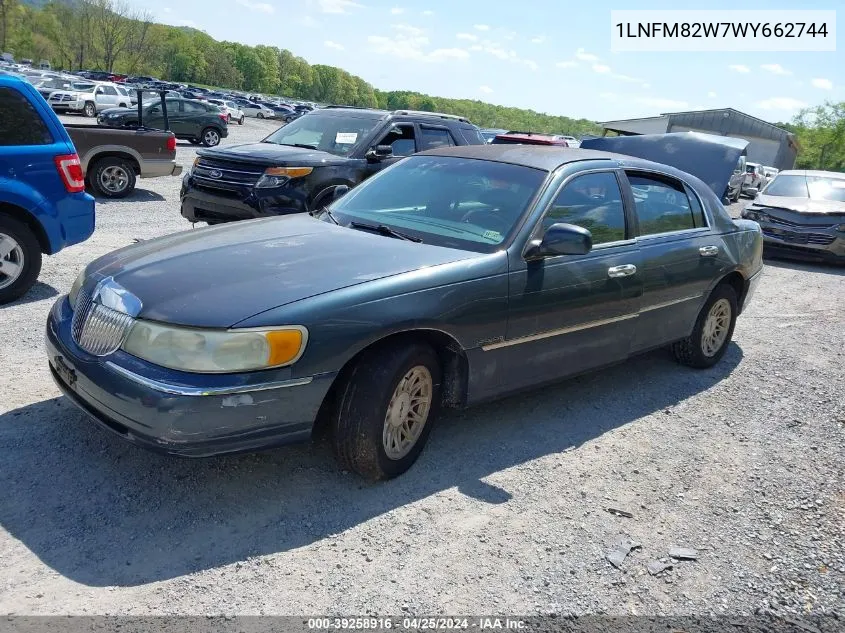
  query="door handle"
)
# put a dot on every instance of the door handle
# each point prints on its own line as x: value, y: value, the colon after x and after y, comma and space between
x: 625, y: 270
x: 709, y: 251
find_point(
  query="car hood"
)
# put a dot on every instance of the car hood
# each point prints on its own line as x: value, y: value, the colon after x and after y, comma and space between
x: 272, y: 154
x: 219, y: 276
x: 801, y: 205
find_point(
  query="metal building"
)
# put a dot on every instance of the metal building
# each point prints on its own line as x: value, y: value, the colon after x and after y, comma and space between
x: 768, y: 144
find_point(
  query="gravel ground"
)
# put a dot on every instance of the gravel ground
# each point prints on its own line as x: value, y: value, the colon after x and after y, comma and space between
x: 505, y: 512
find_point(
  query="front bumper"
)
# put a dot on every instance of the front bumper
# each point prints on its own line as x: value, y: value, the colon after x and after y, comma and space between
x: 228, y: 205
x: 62, y: 106
x: 818, y: 244
x: 158, y: 168
x: 174, y: 412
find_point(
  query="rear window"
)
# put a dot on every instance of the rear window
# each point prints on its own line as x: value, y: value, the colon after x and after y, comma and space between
x: 20, y: 123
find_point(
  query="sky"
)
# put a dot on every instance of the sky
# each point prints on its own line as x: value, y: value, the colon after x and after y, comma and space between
x: 547, y: 55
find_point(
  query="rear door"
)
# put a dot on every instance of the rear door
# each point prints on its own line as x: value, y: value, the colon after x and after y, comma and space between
x: 434, y: 136
x: 192, y: 119
x: 681, y: 256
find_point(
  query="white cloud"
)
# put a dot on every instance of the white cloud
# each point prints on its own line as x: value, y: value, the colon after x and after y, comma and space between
x: 260, y: 7
x: 739, y: 68
x: 428, y: 12
x: 410, y: 42
x: 784, y: 104
x: 531, y: 64
x: 824, y: 84
x: 397, y: 11
x: 337, y: 6
x: 481, y: 27
x: 485, y: 89
x: 190, y: 23
x: 469, y: 37
x: 585, y: 56
x: 566, y: 64
x: 776, y: 69
x: 499, y: 51
x: 333, y: 45
x: 711, y: 94
x: 538, y: 39
x: 662, y: 104
x: 601, y: 69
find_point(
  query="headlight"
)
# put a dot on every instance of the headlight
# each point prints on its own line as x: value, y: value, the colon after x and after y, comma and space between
x: 278, y: 176
x: 841, y: 227
x: 75, y: 288
x: 215, y: 351
x: 751, y: 215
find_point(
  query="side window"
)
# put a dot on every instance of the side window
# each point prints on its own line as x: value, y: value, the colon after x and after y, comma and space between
x: 698, y: 216
x: 110, y: 91
x: 401, y: 139
x: 191, y: 108
x: 433, y: 137
x: 20, y: 123
x: 592, y: 201
x: 662, y: 204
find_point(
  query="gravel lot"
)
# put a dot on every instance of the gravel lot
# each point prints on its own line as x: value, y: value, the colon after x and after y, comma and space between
x: 504, y: 513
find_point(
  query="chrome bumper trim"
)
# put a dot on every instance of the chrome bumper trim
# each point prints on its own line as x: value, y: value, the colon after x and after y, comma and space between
x: 180, y: 390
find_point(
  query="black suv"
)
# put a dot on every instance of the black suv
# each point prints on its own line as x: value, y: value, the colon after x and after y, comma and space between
x: 298, y: 167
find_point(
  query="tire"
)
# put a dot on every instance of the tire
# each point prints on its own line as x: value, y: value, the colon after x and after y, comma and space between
x: 20, y: 259
x: 241, y: 120
x: 228, y: 119
x: 696, y: 350
x: 210, y: 137
x: 89, y: 109
x: 112, y: 177
x: 370, y: 402
x: 260, y: 115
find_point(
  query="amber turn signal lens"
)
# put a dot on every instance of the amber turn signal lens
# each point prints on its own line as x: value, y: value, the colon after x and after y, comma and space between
x: 290, y: 172
x: 285, y: 346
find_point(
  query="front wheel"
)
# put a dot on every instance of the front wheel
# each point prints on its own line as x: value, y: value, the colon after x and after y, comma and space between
x: 712, y: 332
x: 386, y: 406
x: 20, y: 259
x: 241, y: 120
x: 90, y: 110
x: 260, y: 115
x: 210, y: 137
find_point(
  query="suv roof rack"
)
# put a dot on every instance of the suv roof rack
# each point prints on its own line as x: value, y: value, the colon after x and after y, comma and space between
x: 440, y: 115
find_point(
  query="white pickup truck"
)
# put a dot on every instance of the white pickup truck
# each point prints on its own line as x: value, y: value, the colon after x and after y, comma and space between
x: 90, y: 97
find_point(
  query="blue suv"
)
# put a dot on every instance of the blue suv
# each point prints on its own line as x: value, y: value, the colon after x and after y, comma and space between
x: 43, y: 204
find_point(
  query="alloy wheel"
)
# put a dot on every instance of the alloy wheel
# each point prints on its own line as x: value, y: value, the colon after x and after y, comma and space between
x: 11, y: 260
x: 114, y: 179
x: 407, y: 412
x: 716, y: 326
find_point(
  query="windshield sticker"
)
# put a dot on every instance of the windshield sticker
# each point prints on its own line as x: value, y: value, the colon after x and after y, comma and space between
x: 346, y: 138
x: 492, y: 235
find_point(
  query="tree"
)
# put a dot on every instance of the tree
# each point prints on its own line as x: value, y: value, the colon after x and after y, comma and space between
x: 821, y: 134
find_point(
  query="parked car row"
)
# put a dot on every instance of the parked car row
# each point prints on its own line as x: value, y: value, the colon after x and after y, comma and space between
x: 501, y: 136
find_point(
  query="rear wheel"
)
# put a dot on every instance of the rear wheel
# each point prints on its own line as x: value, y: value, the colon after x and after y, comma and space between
x: 20, y: 259
x: 386, y: 406
x: 260, y: 115
x: 241, y: 120
x: 712, y: 332
x: 113, y: 177
x: 210, y: 137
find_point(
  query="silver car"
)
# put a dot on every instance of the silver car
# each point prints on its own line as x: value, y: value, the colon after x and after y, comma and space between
x: 802, y: 213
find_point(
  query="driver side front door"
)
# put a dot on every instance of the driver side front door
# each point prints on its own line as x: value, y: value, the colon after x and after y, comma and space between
x: 402, y: 138
x: 571, y: 313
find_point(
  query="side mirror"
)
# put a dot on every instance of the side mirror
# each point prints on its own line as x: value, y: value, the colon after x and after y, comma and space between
x: 380, y: 152
x: 560, y: 239
x: 338, y: 192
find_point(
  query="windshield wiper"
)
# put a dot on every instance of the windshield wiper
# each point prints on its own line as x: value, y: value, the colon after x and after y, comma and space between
x: 383, y: 229
x: 302, y: 145
x: 327, y: 212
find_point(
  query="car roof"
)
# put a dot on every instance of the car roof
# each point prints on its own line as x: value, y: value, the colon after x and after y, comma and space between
x: 545, y: 157
x: 539, y: 139
x: 811, y: 172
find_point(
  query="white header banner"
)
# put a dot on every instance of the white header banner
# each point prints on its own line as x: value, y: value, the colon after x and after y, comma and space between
x: 755, y: 30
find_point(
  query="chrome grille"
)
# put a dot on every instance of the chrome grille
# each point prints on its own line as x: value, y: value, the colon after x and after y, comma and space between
x: 821, y: 239
x: 219, y: 174
x: 97, y: 329
x: 104, y: 330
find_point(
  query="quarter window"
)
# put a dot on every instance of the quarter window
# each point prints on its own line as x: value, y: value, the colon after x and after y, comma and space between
x: 193, y: 108
x: 662, y: 205
x: 432, y: 138
x: 594, y: 202
x: 20, y: 123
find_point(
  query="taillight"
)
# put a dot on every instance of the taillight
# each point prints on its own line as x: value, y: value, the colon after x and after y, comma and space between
x: 70, y: 171
x: 223, y: 117
x: 171, y: 143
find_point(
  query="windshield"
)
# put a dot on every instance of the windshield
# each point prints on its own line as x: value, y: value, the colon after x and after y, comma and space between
x: 83, y: 87
x: 463, y: 203
x: 813, y: 187
x: 333, y: 133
